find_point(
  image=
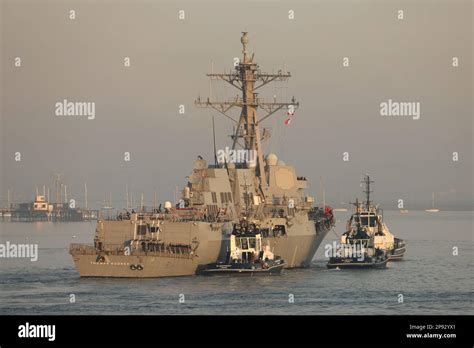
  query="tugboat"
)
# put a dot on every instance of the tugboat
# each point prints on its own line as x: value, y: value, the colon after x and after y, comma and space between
x: 358, y: 254
x: 368, y: 218
x: 247, y: 255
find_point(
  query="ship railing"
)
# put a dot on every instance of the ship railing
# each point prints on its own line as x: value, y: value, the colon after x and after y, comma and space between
x: 166, y: 217
x: 365, y: 242
x: 82, y: 248
x: 163, y: 250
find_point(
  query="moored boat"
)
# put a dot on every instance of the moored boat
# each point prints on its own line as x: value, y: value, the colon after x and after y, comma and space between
x: 432, y: 209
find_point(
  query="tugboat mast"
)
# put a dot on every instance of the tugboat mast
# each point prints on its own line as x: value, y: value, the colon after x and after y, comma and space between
x: 248, y: 78
x: 367, y: 191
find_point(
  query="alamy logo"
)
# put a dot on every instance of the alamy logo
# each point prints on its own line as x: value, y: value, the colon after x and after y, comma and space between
x: 37, y: 331
x: 228, y: 155
x: 393, y: 108
x: 68, y: 108
x: 345, y: 250
x: 11, y: 250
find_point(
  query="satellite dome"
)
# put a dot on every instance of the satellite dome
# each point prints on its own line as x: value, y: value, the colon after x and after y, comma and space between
x: 281, y: 163
x: 272, y: 159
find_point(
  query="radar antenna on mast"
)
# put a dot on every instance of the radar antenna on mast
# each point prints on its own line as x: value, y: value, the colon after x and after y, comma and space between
x: 248, y: 78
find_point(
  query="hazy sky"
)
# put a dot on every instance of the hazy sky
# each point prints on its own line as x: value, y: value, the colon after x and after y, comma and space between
x: 136, y: 107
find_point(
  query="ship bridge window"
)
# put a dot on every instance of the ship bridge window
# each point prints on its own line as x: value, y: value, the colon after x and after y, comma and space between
x: 265, y: 232
x: 141, y: 229
x: 370, y: 221
x: 226, y: 197
x: 279, y: 230
x: 252, y: 242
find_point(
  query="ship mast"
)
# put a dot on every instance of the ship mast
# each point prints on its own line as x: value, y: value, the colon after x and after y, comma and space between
x: 367, y: 191
x: 248, y: 78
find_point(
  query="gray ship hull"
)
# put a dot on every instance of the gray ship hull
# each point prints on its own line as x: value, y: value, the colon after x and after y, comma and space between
x: 297, y: 248
x: 126, y: 266
x: 211, y: 245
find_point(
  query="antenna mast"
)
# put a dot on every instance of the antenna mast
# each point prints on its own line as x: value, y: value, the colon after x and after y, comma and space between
x: 214, y: 138
x: 58, y: 185
x: 85, y: 195
x: 248, y: 78
x: 367, y: 191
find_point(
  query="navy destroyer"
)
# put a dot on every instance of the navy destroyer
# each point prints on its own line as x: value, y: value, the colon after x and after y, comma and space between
x: 241, y: 184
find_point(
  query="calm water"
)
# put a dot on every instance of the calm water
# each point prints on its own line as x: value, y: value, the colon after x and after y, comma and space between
x: 431, y: 279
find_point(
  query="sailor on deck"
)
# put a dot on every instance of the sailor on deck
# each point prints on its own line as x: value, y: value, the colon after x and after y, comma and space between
x: 267, y: 254
x: 238, y: 254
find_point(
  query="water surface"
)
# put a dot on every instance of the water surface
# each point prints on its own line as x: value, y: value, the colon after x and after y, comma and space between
x: 431, y: 279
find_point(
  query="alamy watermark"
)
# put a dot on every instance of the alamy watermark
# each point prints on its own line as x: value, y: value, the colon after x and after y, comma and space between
x: 37, y: 331
x: 345, y: 250
x: 12, y: 250
x: 229, y: 155
x: 393, y: 108
x: 68, y: 108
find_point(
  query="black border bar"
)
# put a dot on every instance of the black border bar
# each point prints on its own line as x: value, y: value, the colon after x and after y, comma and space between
x: 243, y: 330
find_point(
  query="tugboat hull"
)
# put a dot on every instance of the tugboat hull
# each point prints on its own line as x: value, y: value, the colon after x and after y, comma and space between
x: 241, y: 270
x: 396, y: 255
x: 350, y: 264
